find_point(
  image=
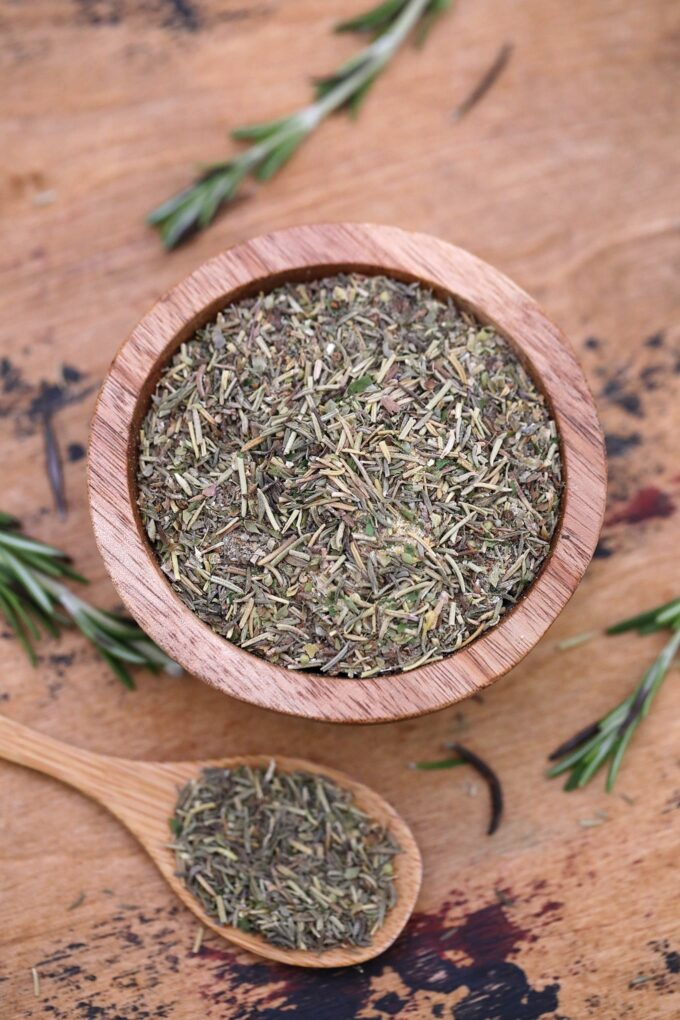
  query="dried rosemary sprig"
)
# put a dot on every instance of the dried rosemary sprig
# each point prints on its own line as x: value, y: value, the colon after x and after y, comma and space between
x: 606, y: 740
x: 464, y: 756
x: 285, y: 855
x: 32, y: 597
x: 274, y: 142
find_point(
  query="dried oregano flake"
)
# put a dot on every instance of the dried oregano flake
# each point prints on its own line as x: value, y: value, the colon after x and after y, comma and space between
x: 349, y: 475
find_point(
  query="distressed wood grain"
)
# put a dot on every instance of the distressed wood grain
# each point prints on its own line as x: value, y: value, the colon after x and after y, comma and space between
x: 567, y: 178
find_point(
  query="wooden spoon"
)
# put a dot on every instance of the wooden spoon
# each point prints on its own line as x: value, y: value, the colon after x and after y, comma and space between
x: 142, y: 796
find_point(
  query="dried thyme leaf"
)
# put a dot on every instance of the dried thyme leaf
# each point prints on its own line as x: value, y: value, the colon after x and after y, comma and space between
x: 349, y: 475
x: 287, y: 856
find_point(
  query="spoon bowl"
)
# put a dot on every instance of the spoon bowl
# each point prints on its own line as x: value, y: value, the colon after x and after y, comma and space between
x: 142, y: 796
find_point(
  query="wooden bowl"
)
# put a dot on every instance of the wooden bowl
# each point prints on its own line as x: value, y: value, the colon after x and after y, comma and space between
x: 306, y: 253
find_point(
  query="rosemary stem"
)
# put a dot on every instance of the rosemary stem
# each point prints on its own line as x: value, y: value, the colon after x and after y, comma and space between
x: 373, y: 59
x: 608, y: 738
x: 59, y: 592
x: 273, y: 143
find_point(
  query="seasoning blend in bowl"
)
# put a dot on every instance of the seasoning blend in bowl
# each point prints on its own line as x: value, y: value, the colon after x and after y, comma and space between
x: 346, y: 472
x: 348, y: 475
x: 284, y: 855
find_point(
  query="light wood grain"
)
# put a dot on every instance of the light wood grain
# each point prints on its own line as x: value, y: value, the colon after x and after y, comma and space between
x: 143, y: 795
x: 567, y: 178
x: 308, y: 252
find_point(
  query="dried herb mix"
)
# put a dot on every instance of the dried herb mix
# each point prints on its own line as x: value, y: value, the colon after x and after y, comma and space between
x: 350, y: 475
x: 287, y: 856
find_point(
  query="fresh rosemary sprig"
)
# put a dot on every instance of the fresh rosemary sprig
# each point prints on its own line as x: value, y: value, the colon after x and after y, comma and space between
x: 274, y: 142
x: 606, y: 740
x: 32, y: 596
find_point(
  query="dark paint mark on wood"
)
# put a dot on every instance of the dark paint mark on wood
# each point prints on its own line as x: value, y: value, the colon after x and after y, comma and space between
x: 618, y: 445
x: 625, y: 399
x: 10, y: 377
x: 100, y: 12
x: 649, y: 376
x: 502, y: 992
x: 483, y: 982
x: 53, y: 689
x: 52, y: 397
x: 655, y: 340
x: 61, y: 663
x: 172, y: 14
x: 592, y: 343
x: 71, y: 374
x: 12, y: 387
x: 602, y: 551
x: 391, y: 1003
x: 549, y: 907
x: 670, y: 957
x: 672, y: 961
x: 75, y: 452
x: 647, y: 504
x: 35, y: 407
x: 494, y: 987
x: 62, y: 660
x: 487, y: 935
x: 182, y: 14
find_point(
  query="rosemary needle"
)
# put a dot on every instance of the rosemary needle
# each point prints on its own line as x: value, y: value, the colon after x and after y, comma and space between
x: 486, y: 82
x: 34, y: 597
x: 274, y: 142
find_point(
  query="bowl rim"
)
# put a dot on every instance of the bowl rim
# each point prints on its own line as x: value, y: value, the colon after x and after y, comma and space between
x: 309, y: 252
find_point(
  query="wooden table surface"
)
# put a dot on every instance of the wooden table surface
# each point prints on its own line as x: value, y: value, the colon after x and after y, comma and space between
x: 567, y: 177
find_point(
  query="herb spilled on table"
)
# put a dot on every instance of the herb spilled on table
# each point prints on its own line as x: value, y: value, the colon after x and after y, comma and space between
x: 464, y: 756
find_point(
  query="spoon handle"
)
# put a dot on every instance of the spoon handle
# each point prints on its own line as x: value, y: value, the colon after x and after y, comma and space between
x: 131, y: 790
x: 23, y: 746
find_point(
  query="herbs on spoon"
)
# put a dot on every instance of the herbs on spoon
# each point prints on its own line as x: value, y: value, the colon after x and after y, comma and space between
x: 606, y: 740
x: 274, y: 142
x: 288, y: 856
x: 33, y: 598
